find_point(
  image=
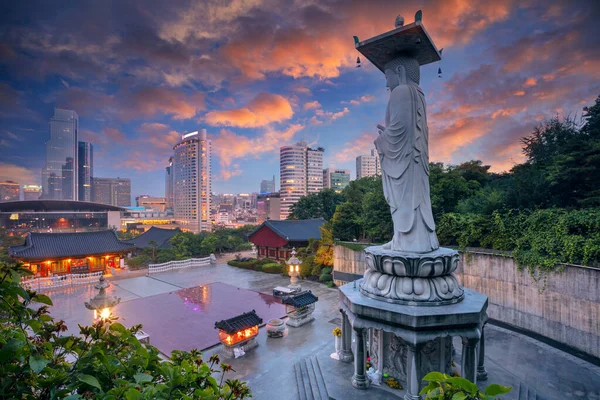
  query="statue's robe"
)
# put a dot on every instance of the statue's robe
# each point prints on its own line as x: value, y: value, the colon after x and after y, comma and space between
x: 403, y: 148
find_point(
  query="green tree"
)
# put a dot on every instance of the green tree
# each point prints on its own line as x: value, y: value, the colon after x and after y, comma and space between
x: 316, y: 205
x: 376, y: 219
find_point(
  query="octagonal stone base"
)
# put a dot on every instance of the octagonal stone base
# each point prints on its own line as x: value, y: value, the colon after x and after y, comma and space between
x: 412, y: 278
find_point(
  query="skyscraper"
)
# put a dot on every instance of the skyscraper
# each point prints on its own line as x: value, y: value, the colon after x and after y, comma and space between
x: 301, y: 173
x: 336, y: 179
x: 267, y: 186
x: 192, y: 184
x: 85, y: 170
x: 368, y: 165
x: 10, y: 191
x: 59, y: 175
x: 113, y: 191
x: 32, y: 192
x: 169, y: 184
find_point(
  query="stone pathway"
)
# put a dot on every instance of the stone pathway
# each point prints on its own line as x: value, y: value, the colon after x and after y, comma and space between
x: 511, y: 357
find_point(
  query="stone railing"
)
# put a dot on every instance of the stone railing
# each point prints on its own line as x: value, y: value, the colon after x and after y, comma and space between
x: 564, y: 308
x: 51, y: 282
x: 174, y: 265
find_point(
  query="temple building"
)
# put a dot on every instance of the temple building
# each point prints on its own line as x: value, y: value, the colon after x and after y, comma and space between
x: 70, y: 253
x: 275, y: 239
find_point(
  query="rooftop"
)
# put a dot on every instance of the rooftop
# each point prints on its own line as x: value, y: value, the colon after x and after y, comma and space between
x: 294, y: 230
x: 239, y: 322
x: 41, y: 246
x: 159, y: 235
x: 55, y: 205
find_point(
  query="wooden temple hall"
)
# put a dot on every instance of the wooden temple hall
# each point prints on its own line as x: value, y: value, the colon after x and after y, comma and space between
x: 275, y: 239
x: 71, y: 253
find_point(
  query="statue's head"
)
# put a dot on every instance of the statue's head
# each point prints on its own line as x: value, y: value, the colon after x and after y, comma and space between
x: 402, y: 70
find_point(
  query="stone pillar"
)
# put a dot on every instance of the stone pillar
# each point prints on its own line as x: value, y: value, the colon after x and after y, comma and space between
x: 360, y: 379
x: 482, y: 374
x: 469, y: 359
x: 346, y: 352
x: 413, y: 372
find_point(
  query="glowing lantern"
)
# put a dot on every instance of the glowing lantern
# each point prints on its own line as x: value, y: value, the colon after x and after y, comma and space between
x: 238, y: 331
x: 294, y: 264
x: 102, y: 303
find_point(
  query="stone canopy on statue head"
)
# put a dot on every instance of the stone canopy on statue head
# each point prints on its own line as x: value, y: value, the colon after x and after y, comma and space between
x: 411, y: 40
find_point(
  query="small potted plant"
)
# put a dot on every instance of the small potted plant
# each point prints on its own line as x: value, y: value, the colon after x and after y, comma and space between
x: 337, y: 337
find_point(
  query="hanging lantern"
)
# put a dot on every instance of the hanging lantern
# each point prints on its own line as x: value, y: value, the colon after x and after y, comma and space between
x: 439, y: 72
x: 357, y: 62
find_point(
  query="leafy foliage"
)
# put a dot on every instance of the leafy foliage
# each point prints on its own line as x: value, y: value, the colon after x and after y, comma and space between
x: 105, y: 361
x: 317, y: 205
x: 445, y: 387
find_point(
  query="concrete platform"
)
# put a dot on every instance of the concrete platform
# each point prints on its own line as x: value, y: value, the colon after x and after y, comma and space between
x: 511, y: 357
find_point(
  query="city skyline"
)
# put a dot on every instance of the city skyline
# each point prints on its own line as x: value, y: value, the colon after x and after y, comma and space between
x: 138, y: 86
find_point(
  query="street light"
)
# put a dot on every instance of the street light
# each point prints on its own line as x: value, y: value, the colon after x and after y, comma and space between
x: 102, y: 302
x: 294, y: 265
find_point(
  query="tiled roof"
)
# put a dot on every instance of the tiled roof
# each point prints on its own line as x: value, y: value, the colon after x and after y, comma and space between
x: 57, y: 245
x: 158, y: 235
x: 238, y: 323
x: 301, y: 299
x: 294, y: 230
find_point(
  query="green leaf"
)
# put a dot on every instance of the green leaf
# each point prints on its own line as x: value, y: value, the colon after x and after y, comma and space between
x: 118, y: 327
x: 462, y: 383
x: 429, y: 388
x: 435, y: 376
x: 494, y: 389
x: 9, y: 349
x: 132, y: 394
x: 459, y: 396
x: 42, y: 298
x: 34, y: 324
x: 73, y: 397
x: 142, y: 378
x: 90, y: 380
x: 37, y: 363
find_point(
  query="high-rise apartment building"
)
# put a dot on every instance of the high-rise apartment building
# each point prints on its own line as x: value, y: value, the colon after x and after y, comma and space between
x: 113, y: 191
x: 10, y: 191
x: 336, y: 179
x: 368, y: 165
x: 59, y: 175
x: 85, y: 170
x: 301, y: 173
x: 169, y: 184
x: 192, y: 185
x: 32, y: 192
x: 267, y: 186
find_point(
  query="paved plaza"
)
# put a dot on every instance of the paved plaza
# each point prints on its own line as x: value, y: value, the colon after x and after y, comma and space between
x: 511, y: 358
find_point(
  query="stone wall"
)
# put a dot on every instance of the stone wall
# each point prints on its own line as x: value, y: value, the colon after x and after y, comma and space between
x: 346, y: 261
x: 567, y: 310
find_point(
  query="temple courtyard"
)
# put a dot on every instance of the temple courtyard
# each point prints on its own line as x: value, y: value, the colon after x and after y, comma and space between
x: 178, y: 310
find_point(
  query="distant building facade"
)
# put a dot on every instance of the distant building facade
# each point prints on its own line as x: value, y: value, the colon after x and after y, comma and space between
x: 169, y: 184
x: 336, y: 179
x: 59, y: 175
x: 268, y: 207
x: 10, y: 191
x: 151, y: 203
x: 192, y: 182
x: 301, y: 173
x: 85, y: 170
x: 32, y: 192
x: 368, y: 165
x: 267, y: 186
x: 113, y: 191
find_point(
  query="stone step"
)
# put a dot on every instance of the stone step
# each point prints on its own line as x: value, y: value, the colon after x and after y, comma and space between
x: 528, y: 393
x: 309, y: 380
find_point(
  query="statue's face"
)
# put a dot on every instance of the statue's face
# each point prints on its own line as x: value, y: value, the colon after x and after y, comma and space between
x: 392, y: 79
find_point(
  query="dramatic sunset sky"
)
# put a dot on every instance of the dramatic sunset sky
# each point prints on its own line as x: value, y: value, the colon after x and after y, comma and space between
x: 258, y: 74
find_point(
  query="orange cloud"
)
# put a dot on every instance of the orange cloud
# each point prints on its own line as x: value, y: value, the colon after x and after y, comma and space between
x: 262, y: 110
x: 229, y: 146
x: 312, y: 105
x: 361, y: 145
x: 16, y: 173
x: 530, y: 82
x: 331, y: 116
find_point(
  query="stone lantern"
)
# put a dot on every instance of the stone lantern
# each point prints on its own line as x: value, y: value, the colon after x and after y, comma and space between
x: 102, y: 303
x: 294, y: 270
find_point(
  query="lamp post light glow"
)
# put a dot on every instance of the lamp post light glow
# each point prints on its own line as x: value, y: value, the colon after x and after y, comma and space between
x: 102, y: 303
x: 294, y: 266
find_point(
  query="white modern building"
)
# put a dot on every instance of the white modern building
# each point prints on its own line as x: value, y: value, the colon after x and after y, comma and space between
x: 192, y: 183
x: 301, y: 173
x: 368, y: 165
